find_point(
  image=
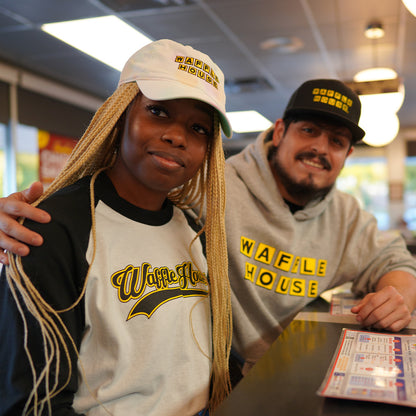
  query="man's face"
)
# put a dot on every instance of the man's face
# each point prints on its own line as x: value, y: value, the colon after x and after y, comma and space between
x: 308, y: 158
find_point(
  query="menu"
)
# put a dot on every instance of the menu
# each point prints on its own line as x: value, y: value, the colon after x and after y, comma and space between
x: 342, y: 302
x: 373, y: 366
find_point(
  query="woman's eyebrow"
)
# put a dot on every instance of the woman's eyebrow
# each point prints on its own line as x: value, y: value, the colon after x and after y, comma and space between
x: 206, y: 108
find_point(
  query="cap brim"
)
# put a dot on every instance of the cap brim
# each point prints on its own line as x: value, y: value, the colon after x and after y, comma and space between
x: 357, y: 132
x: 162, y: 89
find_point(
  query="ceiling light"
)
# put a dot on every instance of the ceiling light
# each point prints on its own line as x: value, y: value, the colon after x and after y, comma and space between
x: 379, y: 103
x: 374, y: 31
x: 411, y: 6
x: 380, y: 128
x: 375, y: 74
x: 107, y: 39
x: 248, y: 121
x: 282, y: 44
x: 388, y: 100
x: 381, y: 93
x: 391, y: 100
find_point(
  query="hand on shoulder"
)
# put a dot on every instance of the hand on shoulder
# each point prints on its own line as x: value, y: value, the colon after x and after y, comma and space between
x: 14, y: 237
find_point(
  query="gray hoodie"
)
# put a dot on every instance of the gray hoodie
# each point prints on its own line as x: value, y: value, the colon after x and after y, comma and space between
x: 279, y: 261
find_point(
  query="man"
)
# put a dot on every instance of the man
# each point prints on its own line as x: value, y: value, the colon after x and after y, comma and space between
x: 291, y: 235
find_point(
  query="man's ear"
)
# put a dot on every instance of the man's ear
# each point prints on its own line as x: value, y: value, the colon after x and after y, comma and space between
x: 278, y: 132
x: 350, y: 150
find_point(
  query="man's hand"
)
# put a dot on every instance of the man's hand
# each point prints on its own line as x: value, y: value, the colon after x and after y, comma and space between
x: 391, y: 306
x: 13, y: 234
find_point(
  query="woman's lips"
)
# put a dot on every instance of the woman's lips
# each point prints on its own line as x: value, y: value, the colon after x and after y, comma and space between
x: 168, y: 160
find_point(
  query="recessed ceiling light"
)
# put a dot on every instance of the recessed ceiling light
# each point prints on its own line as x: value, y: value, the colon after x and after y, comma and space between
x: 107, y: 39
x: 248, y: 121
x: 282, y: 44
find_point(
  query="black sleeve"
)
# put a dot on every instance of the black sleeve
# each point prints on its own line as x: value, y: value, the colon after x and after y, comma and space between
x: 57, y: 269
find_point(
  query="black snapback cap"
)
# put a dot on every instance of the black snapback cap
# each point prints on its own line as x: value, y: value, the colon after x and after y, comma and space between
x: 328, y: 98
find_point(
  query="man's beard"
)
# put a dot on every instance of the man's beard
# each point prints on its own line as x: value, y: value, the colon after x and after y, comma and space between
x: 302, y: 191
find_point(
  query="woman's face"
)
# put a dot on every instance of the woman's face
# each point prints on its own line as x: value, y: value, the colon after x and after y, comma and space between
x: 163, y: 145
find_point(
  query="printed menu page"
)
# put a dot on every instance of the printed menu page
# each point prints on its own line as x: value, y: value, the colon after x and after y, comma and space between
x: 373, y: 366
x: 342, y: 302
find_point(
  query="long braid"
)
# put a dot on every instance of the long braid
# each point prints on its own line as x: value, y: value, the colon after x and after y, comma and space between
x: 96, y: 151
x: 88, y: 156
x: 218, y: 270
x: 208, y: 192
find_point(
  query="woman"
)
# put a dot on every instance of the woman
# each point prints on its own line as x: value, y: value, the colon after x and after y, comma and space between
x: 121, y: 288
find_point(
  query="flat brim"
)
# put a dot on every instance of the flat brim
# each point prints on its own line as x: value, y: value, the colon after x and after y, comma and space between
x: 357, y: 132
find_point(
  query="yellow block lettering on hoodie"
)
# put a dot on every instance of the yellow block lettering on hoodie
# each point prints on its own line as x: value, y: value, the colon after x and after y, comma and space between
x: 264, y: 253
x: 283, y: 261
x: 266, y: 278
x: 246, y: 246
x: 250, y: 271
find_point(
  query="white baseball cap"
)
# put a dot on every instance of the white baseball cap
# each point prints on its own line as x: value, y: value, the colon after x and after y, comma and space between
x: 165, y: 70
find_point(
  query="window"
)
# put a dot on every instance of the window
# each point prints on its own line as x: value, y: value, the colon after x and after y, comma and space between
x: 410, y: 193
x: 27, y: 159
x: 366, y: 179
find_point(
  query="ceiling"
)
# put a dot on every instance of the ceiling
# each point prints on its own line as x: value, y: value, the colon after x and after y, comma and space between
x: 331, y: 33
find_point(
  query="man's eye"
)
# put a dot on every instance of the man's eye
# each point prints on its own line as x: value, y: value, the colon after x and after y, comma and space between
x: 157, y: 111
x: 340, y: 141
x: 308, y: 130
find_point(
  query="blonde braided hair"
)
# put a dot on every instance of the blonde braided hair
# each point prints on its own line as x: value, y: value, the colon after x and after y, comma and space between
x: 97, y: 151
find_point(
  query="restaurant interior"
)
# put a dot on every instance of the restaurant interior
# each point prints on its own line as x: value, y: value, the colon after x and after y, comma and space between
x: 49, y: 91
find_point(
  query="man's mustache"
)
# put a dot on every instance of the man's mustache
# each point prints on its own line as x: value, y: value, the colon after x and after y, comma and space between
x: 312, y: 155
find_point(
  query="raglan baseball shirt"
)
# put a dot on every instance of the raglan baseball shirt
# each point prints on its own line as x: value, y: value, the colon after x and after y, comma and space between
x: 143, y: 327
